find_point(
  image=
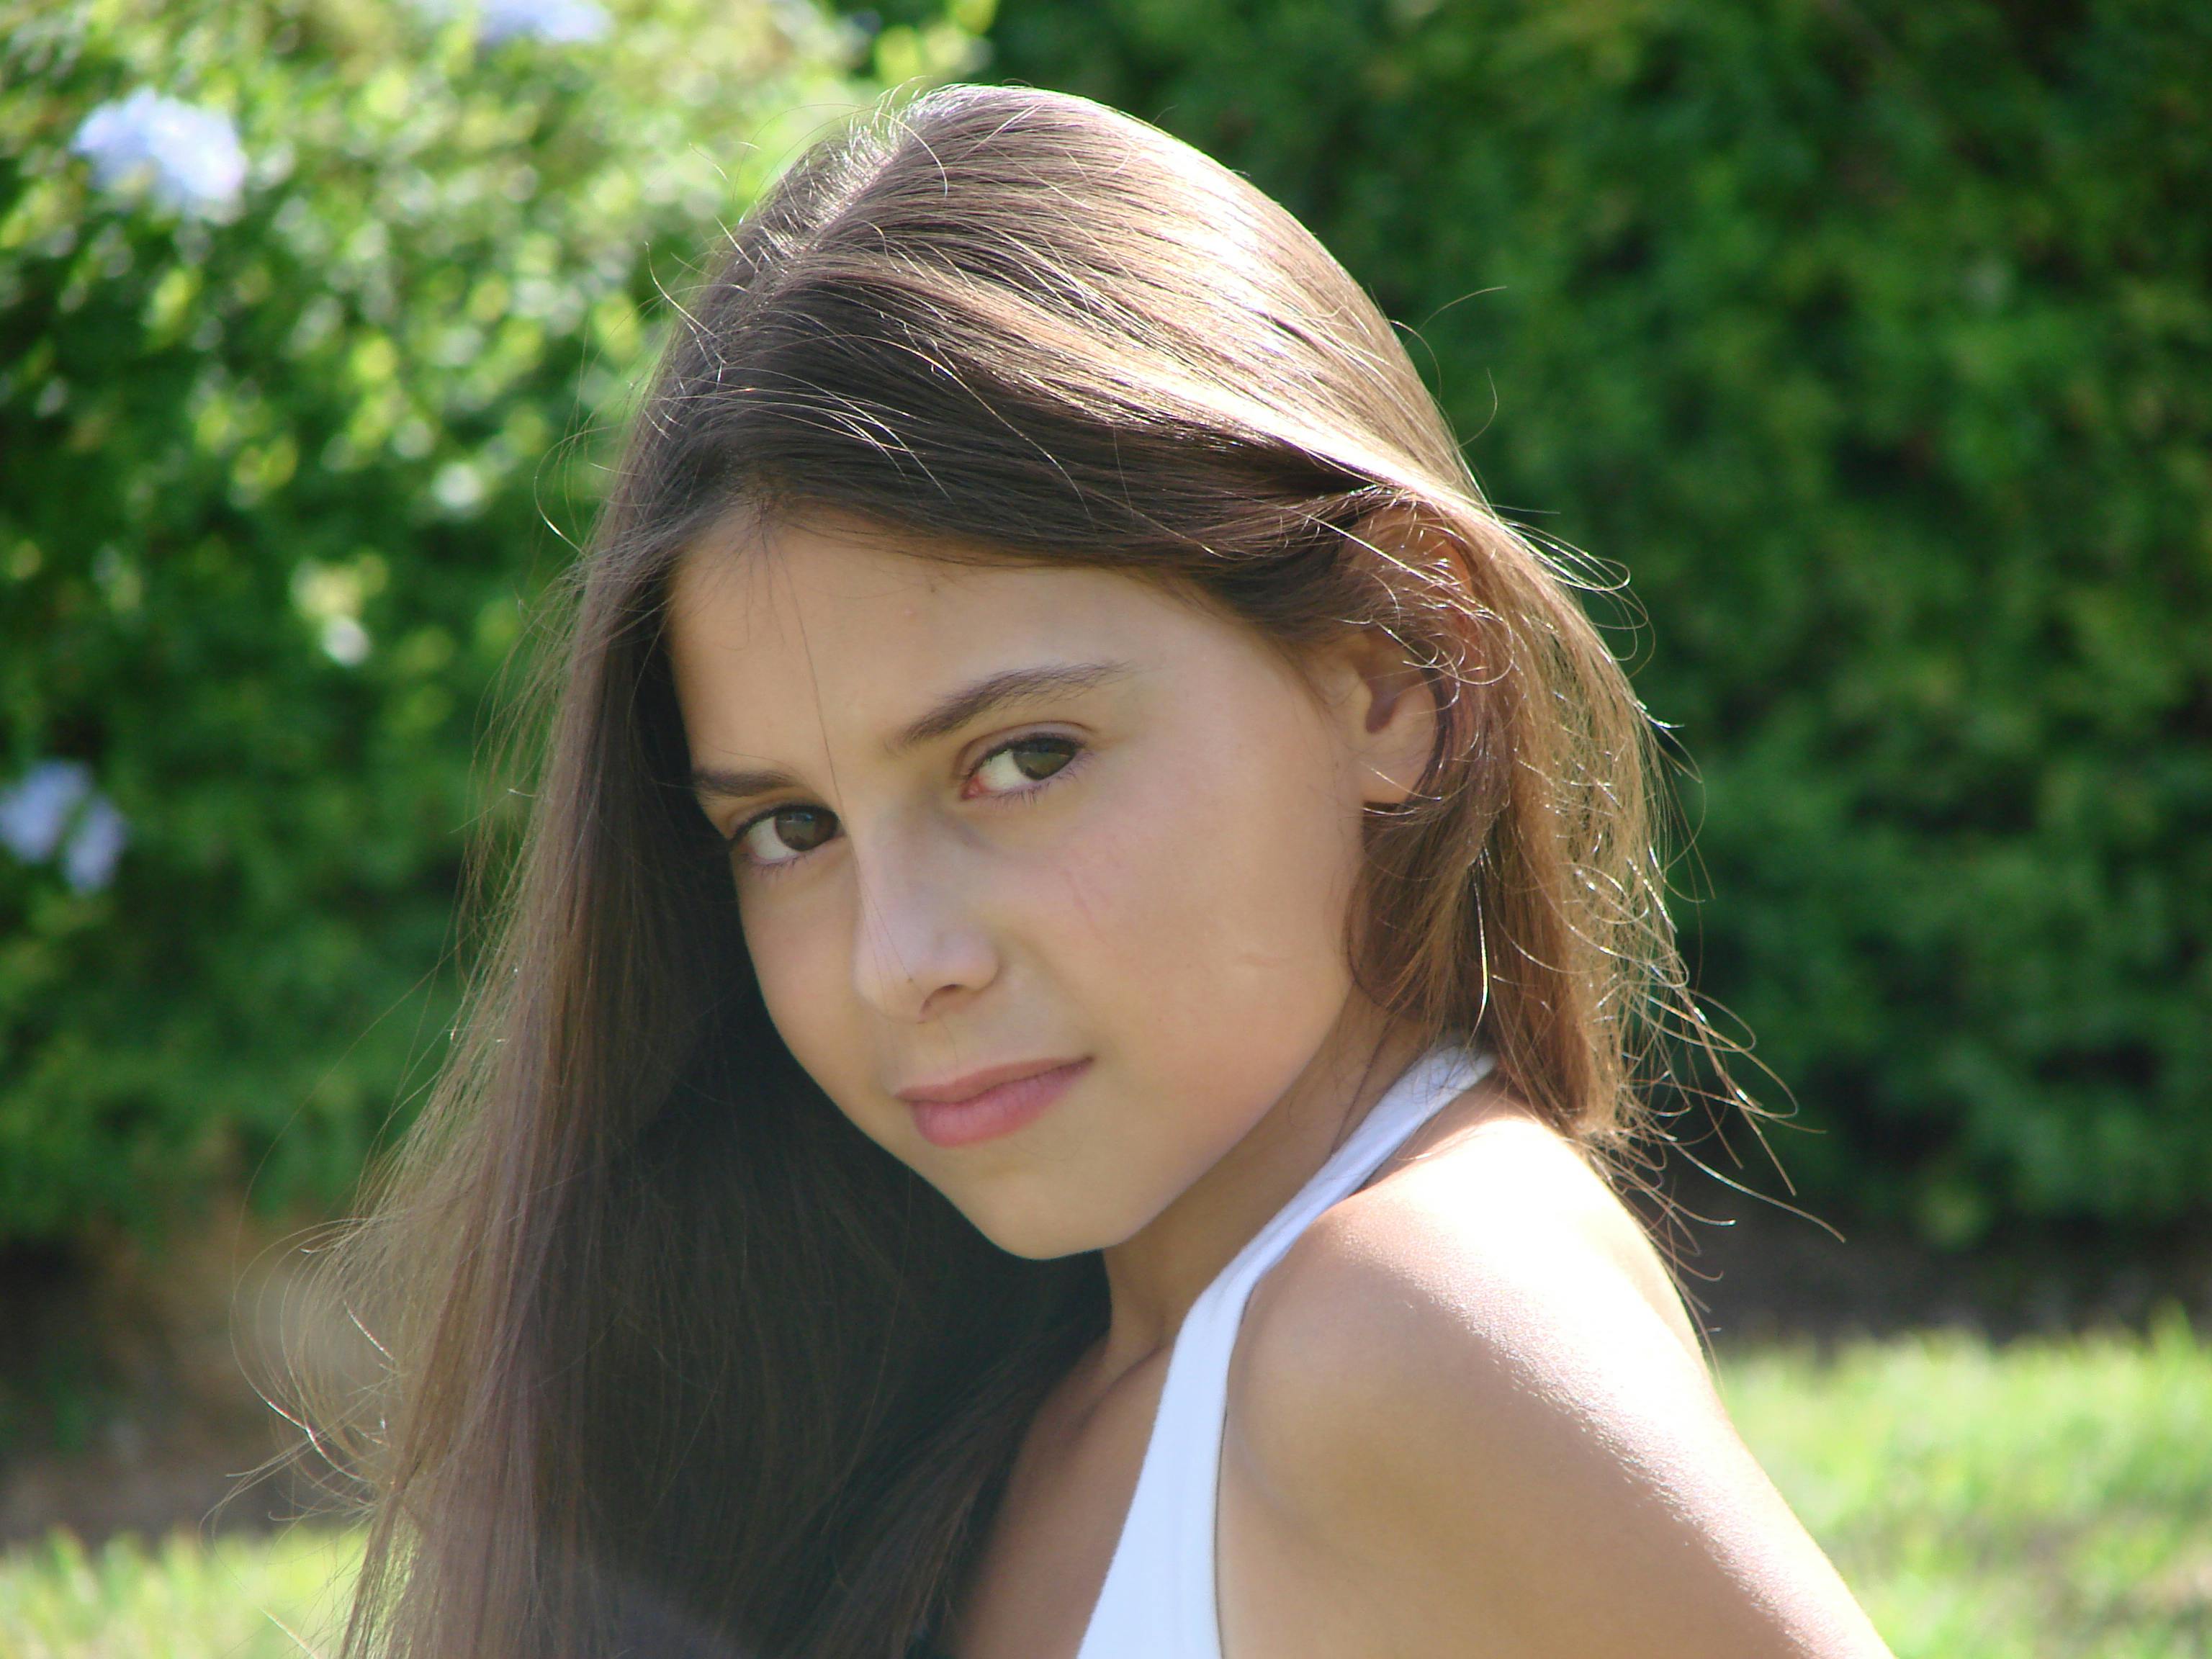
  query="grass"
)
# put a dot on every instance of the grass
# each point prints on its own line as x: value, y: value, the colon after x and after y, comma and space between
x: 237, y: 1597
x: 2043, y: 1500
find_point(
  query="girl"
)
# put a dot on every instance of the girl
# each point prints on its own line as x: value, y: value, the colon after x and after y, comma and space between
x: 1077, y: 977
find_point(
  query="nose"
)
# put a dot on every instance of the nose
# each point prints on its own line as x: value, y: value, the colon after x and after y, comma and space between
x: 920, y: 948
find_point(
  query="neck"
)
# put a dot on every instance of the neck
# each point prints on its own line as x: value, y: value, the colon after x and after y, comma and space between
x: 1154, y: 1276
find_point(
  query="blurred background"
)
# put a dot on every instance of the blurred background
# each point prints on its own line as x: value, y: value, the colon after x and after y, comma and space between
x: 1870, y: 341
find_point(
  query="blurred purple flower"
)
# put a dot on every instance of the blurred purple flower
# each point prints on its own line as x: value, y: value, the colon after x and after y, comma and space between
x: 88, y: 861
x: 35, y: 811
x: 55, y: 805
x: 188, y: 156
x: 561, y: 21
x: 558, y: 21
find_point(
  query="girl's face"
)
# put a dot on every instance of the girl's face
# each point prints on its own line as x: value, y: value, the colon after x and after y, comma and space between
x: 1045, y: 872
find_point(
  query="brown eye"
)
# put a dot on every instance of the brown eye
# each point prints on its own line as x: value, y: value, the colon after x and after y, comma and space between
x: 1027, y: 760
x: 788, y: 832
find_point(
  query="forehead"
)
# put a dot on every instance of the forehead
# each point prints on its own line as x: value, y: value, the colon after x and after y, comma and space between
x: 777, y: 633
x: 764, y: 589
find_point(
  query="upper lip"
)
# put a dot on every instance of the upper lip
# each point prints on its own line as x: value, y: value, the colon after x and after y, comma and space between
x: 969, y: 1084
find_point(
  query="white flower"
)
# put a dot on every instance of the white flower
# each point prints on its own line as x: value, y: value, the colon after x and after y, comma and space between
x: 345, y: 642
x: 188, y: 156
x: 459, y: 488
x: 55, y: 800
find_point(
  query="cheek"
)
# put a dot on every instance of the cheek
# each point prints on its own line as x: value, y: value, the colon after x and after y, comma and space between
x: 795, y: 962
x: 1207, y: 907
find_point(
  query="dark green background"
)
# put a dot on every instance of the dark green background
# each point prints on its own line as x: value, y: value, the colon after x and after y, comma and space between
x: 1872, y: 341
x: 1875, y: 342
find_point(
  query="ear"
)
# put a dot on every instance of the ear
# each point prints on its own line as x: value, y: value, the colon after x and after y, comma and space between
x: 1386, y: 713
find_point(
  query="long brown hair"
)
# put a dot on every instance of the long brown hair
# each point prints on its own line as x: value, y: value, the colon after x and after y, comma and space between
x: 677, y: 1357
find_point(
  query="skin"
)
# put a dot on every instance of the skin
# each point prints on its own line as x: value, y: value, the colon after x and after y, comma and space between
x: 1469, y: 1385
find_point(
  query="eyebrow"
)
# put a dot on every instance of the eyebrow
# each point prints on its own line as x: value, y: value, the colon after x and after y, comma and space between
x: 947, y: 716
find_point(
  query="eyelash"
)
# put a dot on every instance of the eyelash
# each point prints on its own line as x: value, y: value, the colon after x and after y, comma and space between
x: 1079, y: 751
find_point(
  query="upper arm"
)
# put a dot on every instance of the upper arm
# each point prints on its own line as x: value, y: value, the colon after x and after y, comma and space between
x: 1462, y: 1395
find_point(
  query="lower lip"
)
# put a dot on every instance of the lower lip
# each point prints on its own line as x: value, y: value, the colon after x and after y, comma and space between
x: 995, y: 1112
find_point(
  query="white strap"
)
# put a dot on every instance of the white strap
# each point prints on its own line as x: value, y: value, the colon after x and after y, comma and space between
x: 1158, y: 1600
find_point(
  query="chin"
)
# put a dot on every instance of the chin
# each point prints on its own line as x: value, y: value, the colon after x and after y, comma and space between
x: 1042, y: 1225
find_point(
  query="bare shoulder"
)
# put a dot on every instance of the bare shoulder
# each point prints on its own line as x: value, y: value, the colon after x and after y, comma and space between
x: 1474, y: 1385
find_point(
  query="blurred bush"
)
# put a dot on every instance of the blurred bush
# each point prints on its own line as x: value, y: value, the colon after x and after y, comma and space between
x: 1875, y: 340
x: 314, y: 315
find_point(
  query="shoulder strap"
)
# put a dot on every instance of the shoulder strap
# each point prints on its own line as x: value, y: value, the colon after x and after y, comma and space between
x: 1158, y: 1600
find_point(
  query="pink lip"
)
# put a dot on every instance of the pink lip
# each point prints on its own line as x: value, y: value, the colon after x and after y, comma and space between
x: 986, y: 1104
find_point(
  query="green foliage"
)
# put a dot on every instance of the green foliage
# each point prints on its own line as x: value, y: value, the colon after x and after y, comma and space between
x: 1877, y: 342
x: 2045, y: 1500
x: 1872, y: 339
x: 282, y: 480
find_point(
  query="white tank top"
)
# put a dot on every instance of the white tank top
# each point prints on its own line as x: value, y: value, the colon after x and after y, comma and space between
x: 1158, y: 1599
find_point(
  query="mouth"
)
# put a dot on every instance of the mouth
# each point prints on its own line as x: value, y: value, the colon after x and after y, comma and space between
x: 986, y: 1104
